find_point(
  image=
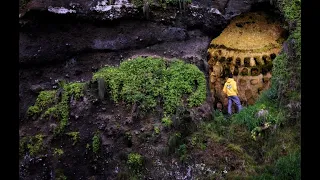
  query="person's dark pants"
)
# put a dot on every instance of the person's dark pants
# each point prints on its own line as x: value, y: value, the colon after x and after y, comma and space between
x: 236, y: 100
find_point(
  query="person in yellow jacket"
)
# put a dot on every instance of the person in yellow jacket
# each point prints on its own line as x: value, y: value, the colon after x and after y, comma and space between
x: 230, y: 88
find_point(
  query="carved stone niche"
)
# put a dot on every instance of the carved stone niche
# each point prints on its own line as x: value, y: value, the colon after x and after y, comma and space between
x: 246, y: 48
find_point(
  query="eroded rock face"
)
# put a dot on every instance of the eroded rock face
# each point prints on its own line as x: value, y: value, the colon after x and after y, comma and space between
x: 246, y: 48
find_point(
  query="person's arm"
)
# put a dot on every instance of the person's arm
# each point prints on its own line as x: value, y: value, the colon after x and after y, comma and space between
x: 224, y: 88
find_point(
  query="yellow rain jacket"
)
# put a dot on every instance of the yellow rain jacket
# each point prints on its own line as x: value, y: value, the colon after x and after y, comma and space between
x: 230, y: 87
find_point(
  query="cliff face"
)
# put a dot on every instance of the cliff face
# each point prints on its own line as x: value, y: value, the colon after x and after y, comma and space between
x: 64, y: 38
x: 69, y: 41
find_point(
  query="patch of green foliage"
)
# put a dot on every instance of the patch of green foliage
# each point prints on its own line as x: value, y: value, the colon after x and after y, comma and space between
x: 166, y: 121
x: 182, y: 151
x: 286, y: 167
x: 96, y: 142
x: 59, y: 109
x: 135, y: 162
x: 291, y: 9
x: 156, y: 129
x: 60, y: 175
x: 44, y: 99
x: 23, y: 145
x: 146, y: 80
x: 286, y: 78
x: 75, y: 136
x: 35, y: 146
x: 57, y: 152
x: 248, y: 115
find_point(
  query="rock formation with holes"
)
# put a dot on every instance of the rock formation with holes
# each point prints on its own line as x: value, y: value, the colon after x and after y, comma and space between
x: 246, y: 48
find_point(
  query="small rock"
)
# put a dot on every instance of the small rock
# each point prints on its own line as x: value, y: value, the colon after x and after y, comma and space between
x: 36, y: 88
x: 67, y: 75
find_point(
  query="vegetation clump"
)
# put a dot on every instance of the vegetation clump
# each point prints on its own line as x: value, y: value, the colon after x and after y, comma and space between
x: 55, y: 103
x: 75, y: 136
x: 135, y: 162
x: 145, y: 81
x: 44, y: 99
x: 167, y: 122
x: 35, y: 145
x: 96, y: 142
x: 57, y: 152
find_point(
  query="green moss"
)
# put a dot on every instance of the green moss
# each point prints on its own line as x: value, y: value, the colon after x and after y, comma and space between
x: 167, y: 122
x: 74, y: 89
x: 156, y: 130
x: 58, y: 110
x: 57, y: 152
x: 96, y: 142
x: 44, y: 99
x: 145, y: 80
x: 36, y: 145
x: 33, y: 110
x: 75, y: 136
x: 52, y: 111
x: 291, y: 9
x: 135, y: 162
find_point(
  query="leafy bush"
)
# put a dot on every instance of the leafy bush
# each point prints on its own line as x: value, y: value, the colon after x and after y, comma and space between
x: 146, y: 80
x: 166, y: 121
x: 135, y: 162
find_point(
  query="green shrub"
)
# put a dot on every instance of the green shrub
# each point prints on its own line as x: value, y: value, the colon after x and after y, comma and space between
x: 96, y: 142
x: 145, y: 80
x: 167, y: 122
x: 135, y: 162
